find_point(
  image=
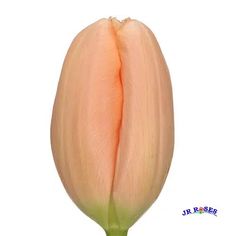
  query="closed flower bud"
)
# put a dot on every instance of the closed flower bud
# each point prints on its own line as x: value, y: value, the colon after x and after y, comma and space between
x: 112, y: 126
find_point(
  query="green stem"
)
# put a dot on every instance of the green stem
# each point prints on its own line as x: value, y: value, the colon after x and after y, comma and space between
x: 116, y: 232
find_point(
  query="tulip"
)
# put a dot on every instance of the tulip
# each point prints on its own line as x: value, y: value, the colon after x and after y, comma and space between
x: 112, y: 129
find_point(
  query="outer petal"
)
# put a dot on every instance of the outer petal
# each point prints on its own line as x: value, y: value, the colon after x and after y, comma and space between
x: 146, y: 141
x: 86, y: 119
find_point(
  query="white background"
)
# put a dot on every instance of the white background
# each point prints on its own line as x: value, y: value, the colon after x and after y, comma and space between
x: 198, y: 39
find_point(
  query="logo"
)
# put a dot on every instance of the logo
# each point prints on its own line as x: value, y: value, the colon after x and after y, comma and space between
x: 200, y: 210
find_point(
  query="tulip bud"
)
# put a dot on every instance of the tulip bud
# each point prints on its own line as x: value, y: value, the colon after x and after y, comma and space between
x: 112, y: 128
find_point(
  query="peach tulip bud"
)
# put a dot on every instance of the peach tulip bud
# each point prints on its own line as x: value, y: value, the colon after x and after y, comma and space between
x: 112, y: 129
